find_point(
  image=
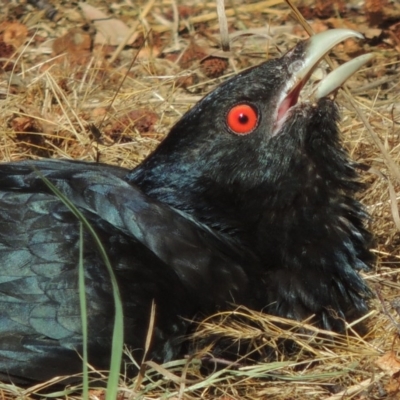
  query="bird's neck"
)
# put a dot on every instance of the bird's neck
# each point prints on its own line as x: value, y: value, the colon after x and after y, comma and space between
x: 189, y: 189
x: 307, y: 200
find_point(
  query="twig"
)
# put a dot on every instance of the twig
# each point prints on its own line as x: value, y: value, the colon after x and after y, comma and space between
x: 132, y: 31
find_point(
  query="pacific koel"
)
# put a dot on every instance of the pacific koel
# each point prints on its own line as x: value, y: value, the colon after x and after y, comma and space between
x: 248, y: 200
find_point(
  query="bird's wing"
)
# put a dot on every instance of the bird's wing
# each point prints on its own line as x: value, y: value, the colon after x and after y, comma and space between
x: 157, y: 254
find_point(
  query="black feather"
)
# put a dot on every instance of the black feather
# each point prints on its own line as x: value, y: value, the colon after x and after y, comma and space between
x: 210, y: 219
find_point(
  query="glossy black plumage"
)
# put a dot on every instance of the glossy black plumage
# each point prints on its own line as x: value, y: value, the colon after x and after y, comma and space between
x: 210, y: 218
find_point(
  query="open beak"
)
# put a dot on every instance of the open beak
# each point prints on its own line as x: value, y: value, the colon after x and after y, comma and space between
x: 335, y: 79
x: 315, y: 49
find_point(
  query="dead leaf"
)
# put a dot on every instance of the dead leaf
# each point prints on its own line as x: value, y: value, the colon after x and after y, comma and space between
x: 372, y: 33
x: 394, y: 32
x: 13, y: 33
x: 191, y: 55
x: 6, y: 51
x: 142, y: 120
x: 393, y: 386
x: 184, y: 12
x: 213, y: 67
x: 76, y: 44
x: 325, y: 9
x: 75, y: 40
x: 110, y: 30
x: 24, y: 124
x: 185, y: 81
x: 374, y: 10
x: 389, y: 363
x: 98, y: 112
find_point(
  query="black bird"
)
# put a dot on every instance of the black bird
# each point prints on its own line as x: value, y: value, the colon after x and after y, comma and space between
x: 249, y: 200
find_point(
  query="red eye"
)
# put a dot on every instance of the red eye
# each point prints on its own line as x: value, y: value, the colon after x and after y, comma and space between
x: 242, y: 119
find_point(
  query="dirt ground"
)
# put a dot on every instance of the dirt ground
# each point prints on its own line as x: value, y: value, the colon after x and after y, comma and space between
x: 104, y: 81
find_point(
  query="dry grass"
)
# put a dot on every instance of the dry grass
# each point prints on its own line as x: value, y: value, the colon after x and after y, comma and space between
x: 46, y: 108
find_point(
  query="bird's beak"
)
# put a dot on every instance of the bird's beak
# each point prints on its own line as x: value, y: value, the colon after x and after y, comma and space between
x: 319, y: 45
x: 313, y: 50
x: 338, y: 76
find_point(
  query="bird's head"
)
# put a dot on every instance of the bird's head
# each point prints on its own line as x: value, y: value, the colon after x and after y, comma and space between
x: 264, y: 166
x: 252, y: 141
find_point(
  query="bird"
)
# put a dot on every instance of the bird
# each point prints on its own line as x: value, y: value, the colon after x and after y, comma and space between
x: 249, y: 200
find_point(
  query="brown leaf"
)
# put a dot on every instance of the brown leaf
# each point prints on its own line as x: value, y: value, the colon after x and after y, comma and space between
x: 28, y: 134
x: 372, y: 33
x: 110, y: 30
x: 75, y: 40
x: 142, y: 120
x: 186, y: 81
x: 76, y: 43
x: 24, y: 124
x: 325, y: 9
x: 394, y: 32
x: 321, y: 8
x: 6, y: 51
x: 213, y: 67
x: 184, y: 12
x: 374, y: 9
x: 393, y: 385
x: 14, y: 33
x: 388, y: 363
x: 192, y: 54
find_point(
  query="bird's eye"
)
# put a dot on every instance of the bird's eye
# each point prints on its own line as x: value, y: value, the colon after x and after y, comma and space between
x: 242, y: 119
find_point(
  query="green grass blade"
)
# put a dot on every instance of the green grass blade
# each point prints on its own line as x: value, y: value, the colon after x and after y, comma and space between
x: 83, y: 305
x: 118, y: 331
